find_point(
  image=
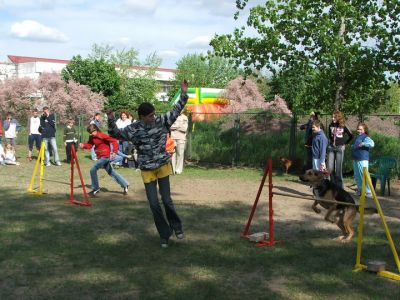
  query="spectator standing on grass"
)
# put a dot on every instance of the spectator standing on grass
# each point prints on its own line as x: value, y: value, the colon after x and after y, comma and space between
x: 48, y: 131
x: 308, y: 138
x: 70, y: 138
x: 319, y: 145
x: 11, y: 128
x: 337, y: 141
x: 360, y: 154
x: 96, y: 121
x: 178, y: 134
x: 102, y: 144
x: 121, y: 123
x: 34, y: 136
x: 149, y: 135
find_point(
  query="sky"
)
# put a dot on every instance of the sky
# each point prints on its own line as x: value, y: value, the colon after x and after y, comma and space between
x: 63, y: 28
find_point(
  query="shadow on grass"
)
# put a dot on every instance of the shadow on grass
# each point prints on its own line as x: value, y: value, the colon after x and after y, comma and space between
x: 111, y: 250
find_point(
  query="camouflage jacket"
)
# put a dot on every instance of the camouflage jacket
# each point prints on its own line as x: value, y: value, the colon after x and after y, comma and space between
x: 149, y: 140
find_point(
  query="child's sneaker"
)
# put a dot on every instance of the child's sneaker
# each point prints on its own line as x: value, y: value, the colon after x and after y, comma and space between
x: 126, y: 190
x: 179, y: 235
x: 164, y: 243
x: 93, y: 193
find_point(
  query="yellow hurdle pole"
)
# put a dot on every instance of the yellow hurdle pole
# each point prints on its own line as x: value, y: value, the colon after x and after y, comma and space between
x: 41, y: 170
x: 30, y: 188
x: 358, y: 265
x: 387, y: 231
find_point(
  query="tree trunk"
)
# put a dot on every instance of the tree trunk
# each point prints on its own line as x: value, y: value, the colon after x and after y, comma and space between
x: 341, y: 66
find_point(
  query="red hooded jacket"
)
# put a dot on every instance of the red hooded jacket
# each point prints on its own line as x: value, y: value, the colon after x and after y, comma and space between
x: 101, y: 144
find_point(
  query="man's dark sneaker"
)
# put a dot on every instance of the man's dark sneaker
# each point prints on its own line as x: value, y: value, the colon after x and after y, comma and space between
x: 93, y: 193
x: 164, y: 243
x: 126, y: 190
x: 179, y: 235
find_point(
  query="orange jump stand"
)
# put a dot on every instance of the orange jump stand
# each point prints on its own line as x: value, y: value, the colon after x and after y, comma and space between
x: 72, y: 200
x: 245, y: 235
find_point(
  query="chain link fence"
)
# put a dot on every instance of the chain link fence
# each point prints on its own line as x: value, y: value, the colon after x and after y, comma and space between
x: 248, y: 139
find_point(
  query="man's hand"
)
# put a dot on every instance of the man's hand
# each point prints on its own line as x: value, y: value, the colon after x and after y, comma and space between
x: 81, y: 145
x: 184, y: 86
x: 110, y: 113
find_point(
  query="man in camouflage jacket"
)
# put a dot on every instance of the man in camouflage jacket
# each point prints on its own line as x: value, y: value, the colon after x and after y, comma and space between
x: 149, y: 135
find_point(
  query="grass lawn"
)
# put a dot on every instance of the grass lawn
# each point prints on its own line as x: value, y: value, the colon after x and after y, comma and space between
x: 50, y: 250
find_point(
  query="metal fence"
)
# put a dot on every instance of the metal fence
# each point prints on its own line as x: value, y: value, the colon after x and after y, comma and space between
x: 248, y: 139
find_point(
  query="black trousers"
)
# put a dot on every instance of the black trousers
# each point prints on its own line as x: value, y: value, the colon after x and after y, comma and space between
x: 173, y: 222
x: 68, y: 150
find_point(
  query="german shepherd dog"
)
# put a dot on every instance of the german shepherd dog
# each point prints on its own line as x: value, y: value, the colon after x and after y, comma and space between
x: 323, y: 189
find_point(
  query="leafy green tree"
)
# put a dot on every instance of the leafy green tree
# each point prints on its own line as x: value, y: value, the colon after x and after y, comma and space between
x: 137, y: 83
x: 339, y: 52
x: 203, y: 71
x: 98, y: 74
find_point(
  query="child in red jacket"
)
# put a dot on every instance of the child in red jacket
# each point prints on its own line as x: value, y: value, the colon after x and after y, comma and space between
x: 101, y: 143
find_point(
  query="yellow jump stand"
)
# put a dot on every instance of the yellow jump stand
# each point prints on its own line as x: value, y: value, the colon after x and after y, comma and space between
x: 359, y: 266
x: 39, y: 164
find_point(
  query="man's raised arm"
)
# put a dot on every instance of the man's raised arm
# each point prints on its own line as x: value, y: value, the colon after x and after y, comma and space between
x: 170, y: 117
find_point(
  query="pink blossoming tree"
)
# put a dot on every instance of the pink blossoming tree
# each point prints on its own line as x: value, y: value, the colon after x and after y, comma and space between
x: 70, y: 99
x: 17, y: 96
x: 21, y: 95
x: 244, y: 95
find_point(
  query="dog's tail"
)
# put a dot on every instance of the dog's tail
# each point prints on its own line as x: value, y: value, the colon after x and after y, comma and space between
x: 368, y: 210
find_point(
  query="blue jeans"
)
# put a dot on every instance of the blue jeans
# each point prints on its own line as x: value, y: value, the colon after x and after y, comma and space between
x: 104, y: 163
x: 316, y: 164
x: 53, y: 145
x: 164, y: 228
x: 358, y: 174
x: 335, y: 164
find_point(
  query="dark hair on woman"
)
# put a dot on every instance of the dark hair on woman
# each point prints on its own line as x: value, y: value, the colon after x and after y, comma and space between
x: 124, y: 112
x: 145, y: 109
x: 316, y: 115
x: 365, y: 126
x: 339, y: 118
x: 92, y: 127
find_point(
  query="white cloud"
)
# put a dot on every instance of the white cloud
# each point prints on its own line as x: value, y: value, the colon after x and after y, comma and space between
x: 32, y: 30
x: 199, y: 42
x: 47, y: 4
x: 123, y: 41
x: 167, y: 54
x: 140, y: 6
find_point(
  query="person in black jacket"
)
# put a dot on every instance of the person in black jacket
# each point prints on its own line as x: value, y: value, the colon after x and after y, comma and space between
x: 48, y: 131
x: 309, y: 137
x: 337, y: 141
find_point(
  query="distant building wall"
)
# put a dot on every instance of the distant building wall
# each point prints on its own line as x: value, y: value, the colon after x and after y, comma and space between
x: 32, y: 67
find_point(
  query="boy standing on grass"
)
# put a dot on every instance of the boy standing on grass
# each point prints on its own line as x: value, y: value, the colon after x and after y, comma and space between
x: 149, y: 135
x: 101, y: 143
x: 319, y: 145
x: 70, y: 138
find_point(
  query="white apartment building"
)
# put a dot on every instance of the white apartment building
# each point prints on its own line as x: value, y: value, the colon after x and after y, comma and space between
x: 32, y: 67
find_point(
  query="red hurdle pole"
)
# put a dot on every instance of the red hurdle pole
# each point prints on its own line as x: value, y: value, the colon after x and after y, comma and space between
x: 270, y: 241
x: 245, y: 233
x: 74, y: 159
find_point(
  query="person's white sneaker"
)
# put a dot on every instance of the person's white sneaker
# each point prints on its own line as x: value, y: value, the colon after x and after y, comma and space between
x: 126, y: 190
x: 58, y: 163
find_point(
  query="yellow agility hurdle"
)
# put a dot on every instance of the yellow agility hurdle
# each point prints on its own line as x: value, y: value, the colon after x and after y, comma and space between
x: 39, y: 164
x: 359, y: 266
